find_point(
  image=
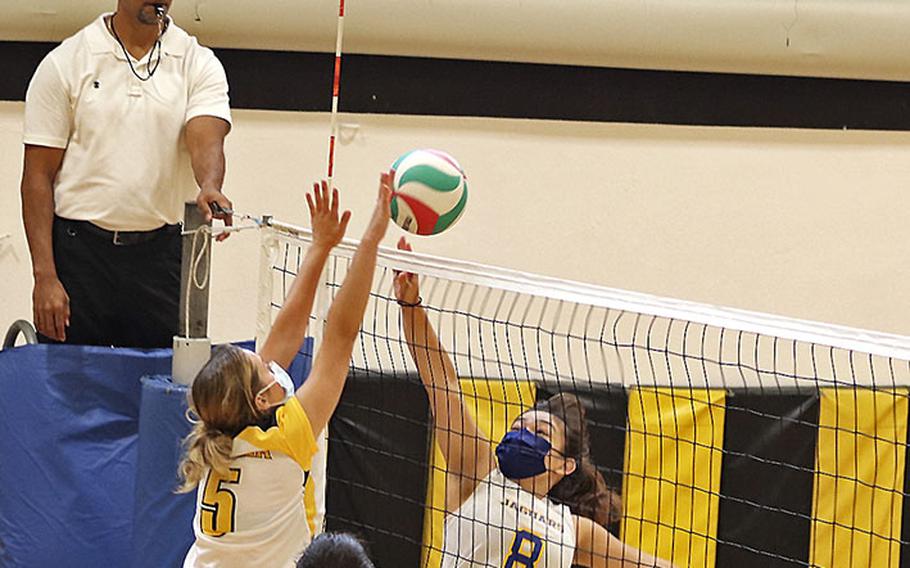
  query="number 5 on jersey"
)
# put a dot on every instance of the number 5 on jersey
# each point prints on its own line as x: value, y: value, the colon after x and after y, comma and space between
x: 216, y: 513
x: 526, y: 550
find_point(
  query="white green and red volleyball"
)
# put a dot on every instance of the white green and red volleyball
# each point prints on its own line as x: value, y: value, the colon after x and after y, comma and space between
x: 430, y: 192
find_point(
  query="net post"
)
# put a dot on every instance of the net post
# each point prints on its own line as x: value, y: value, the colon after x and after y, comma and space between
x: 192, y: 346
x: 197, y: 298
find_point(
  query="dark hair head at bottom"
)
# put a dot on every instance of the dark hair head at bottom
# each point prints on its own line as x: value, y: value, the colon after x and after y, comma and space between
x: 335, y: 550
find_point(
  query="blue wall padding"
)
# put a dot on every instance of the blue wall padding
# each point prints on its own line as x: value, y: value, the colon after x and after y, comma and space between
x: 69, y: 417
x: 163, y: 520
x: 162, y: 524
x: 88, y: 457
x: 300, y: 367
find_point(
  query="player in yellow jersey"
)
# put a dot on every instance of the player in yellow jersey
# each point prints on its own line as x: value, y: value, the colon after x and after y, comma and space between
x: 535, y: 500
x: 249, y: 455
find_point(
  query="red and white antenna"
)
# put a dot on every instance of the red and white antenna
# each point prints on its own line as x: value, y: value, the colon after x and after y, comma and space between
x: 336, y: 82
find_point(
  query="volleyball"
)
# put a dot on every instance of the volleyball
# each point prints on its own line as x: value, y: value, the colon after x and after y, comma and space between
x: 429, y: 193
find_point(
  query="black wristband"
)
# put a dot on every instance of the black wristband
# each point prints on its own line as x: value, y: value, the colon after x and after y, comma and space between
x: 410, y: 305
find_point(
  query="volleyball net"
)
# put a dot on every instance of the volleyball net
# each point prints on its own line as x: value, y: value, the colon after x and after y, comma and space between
x: 731, y: 436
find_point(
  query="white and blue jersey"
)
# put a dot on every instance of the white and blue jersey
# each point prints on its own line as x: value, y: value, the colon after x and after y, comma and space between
x: 503, y: 526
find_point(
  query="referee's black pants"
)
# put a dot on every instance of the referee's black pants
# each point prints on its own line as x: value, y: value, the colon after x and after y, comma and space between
x: 124, y: 288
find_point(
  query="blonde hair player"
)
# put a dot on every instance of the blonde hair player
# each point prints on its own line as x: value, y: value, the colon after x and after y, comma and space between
x: 535, y: 500
x: 250, y: 453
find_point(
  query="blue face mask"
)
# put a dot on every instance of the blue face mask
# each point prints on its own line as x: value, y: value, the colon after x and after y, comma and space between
x: 521, y: 454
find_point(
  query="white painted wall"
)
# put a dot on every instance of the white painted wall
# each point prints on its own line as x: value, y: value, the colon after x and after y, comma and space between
x: 817, y: 38
x: 809, y: 224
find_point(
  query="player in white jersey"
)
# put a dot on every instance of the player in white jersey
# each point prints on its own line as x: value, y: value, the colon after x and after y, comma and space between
x: 535, y: 500
x: 250, y: 452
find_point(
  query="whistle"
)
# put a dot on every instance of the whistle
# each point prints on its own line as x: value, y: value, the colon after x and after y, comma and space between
x: 159, y: 11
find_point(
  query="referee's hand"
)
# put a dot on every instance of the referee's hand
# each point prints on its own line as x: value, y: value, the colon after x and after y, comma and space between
x: 51, y: 307
x: 204, y: 200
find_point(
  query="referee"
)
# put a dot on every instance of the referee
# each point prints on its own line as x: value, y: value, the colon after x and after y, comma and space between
x: 119, y: 120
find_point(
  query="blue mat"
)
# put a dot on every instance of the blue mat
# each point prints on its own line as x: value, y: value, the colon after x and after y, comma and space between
x: 162, y: 519
x: 78, y: 428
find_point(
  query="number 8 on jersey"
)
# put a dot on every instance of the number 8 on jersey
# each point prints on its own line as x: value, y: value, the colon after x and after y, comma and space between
x: 520, y: 556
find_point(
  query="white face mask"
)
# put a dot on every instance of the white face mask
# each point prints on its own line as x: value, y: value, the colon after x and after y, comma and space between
x: 283, y: 379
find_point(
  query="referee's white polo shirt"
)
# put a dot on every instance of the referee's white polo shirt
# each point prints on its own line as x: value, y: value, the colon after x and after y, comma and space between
x: 126, y: 165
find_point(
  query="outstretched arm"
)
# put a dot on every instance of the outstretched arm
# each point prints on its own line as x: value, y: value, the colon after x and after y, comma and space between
x: 320, y: 393
x: 205, y: 142
x: 290, y: 326
x: 597, y: 548
x: 468, y: 453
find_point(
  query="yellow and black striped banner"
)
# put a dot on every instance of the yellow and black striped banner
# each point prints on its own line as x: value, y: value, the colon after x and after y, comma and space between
x: 766, y: 480
x: 495, y: 404
x: 859, y: 480
x: 672, y: 481
x: 716, y: 479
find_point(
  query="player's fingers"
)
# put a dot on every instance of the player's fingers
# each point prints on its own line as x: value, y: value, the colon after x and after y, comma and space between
x: 406, y: 277
x: 310, y: 205
x: 325, y: 195
x: 385, y: 192
x: 317, y: 196
x: 335, y: 201
x: 397, y: 273
x: 345, y: 217
x: 412, y: 278
x: 404, y: 282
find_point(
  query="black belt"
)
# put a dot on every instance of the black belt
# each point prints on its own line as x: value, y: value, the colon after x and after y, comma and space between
x: 119, y: 238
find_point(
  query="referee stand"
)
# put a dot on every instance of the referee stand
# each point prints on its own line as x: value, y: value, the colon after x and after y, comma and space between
x: 192, y: 346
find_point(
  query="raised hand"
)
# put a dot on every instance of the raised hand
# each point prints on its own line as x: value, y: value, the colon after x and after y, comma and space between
x: 407, y: 288
x: 379, y: 222
x: 328, y: 229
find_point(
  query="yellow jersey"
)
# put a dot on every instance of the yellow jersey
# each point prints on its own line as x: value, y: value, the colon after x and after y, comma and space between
x: 256, y: 515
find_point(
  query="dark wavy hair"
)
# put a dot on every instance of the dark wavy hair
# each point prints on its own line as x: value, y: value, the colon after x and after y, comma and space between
x: 584, y: 491
x: 335, y: 550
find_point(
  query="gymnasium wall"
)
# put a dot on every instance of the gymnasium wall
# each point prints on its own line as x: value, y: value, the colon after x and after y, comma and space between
x: 849, y: 38
x: 805, y: 223
x: 776, y: 191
